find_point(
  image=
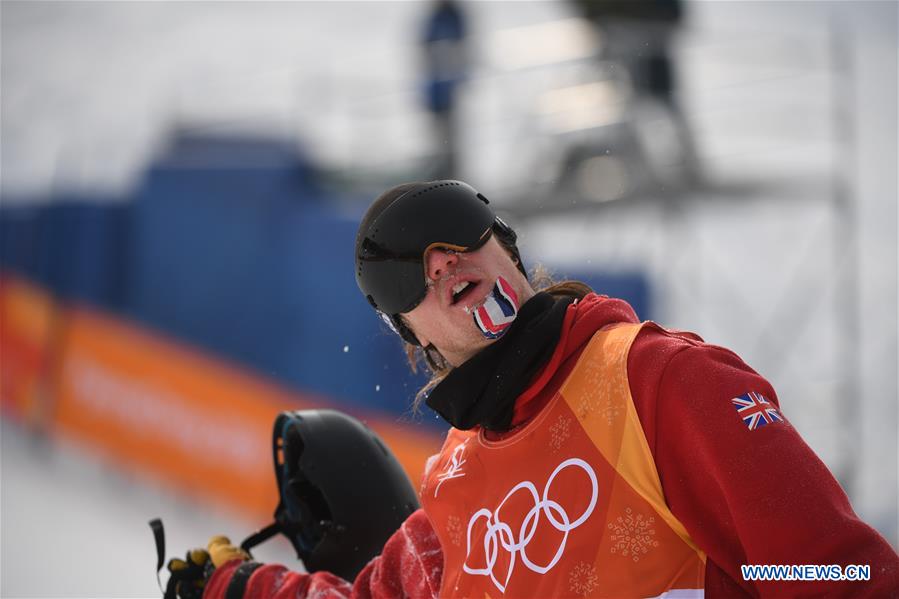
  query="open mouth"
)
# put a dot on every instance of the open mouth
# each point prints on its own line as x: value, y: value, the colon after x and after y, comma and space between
x: 462, y: 290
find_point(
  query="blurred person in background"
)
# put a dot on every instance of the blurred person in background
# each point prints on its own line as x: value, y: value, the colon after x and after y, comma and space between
x: 590, y: 454
x: 444, y: 68
x: 639, y: 36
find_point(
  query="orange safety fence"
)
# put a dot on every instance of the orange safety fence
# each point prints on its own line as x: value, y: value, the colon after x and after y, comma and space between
x: 155, y: 406
x: 29, y: 320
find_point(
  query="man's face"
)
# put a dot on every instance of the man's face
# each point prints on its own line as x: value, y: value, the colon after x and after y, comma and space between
x: 444, y: 318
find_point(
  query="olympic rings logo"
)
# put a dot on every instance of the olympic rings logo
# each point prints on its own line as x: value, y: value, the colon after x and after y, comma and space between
x: 500, y: 533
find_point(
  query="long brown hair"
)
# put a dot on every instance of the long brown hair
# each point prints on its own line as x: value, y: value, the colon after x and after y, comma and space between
x: 430, y: 358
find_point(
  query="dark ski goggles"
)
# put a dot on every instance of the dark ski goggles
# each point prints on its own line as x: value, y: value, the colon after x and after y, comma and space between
x: 393, y: 240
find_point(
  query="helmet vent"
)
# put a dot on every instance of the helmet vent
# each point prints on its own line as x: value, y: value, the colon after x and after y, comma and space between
x: 436, y: 186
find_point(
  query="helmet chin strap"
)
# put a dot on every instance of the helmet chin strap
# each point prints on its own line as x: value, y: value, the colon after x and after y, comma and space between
x: 260, y: 536
x: 399, y: 326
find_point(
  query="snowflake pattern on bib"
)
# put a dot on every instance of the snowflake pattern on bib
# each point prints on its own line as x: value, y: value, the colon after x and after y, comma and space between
x: 560, y: 432
x: 583, y: 579
x: 632, y: 536
x: 454, y: 530
x: 600, y: 395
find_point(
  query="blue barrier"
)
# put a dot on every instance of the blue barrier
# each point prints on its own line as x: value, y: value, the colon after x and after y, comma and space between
x: 76, y: 247
x: 252, y: 264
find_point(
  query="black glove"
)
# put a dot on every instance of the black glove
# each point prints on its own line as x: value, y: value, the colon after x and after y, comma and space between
x: 188, y: 576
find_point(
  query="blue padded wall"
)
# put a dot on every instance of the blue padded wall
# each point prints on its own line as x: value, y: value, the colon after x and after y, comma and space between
x: 233, y: 247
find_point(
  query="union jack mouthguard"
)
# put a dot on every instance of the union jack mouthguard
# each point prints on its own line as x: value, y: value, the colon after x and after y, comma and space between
x: 494, y: 316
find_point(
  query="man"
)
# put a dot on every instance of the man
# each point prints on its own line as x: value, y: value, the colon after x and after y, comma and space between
x: 590, y: 455
x: 444, y: 67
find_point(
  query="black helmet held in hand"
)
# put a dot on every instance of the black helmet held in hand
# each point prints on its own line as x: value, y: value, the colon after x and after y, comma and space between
x: 343, y: 493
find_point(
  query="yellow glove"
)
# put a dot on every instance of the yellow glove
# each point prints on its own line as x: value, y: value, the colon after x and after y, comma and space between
x: 222, y: 551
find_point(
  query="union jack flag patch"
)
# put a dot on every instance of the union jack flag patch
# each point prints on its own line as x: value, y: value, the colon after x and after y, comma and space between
x: 755, y: 410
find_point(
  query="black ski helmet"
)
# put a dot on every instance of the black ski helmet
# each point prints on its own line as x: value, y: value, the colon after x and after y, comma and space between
x: 406, y: 221
x: 342, y: 491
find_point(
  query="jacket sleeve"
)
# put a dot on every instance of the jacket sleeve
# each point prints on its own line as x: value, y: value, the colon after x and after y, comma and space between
x: 411, y: 565
x: 755, y: 495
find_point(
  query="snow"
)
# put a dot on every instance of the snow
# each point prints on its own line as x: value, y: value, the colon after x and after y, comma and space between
x: 72, y: 527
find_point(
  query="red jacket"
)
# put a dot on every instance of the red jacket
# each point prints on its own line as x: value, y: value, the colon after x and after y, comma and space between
x: 745, y: 497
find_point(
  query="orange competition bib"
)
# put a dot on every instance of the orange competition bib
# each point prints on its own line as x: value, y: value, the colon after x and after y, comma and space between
x: 569, y: 506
